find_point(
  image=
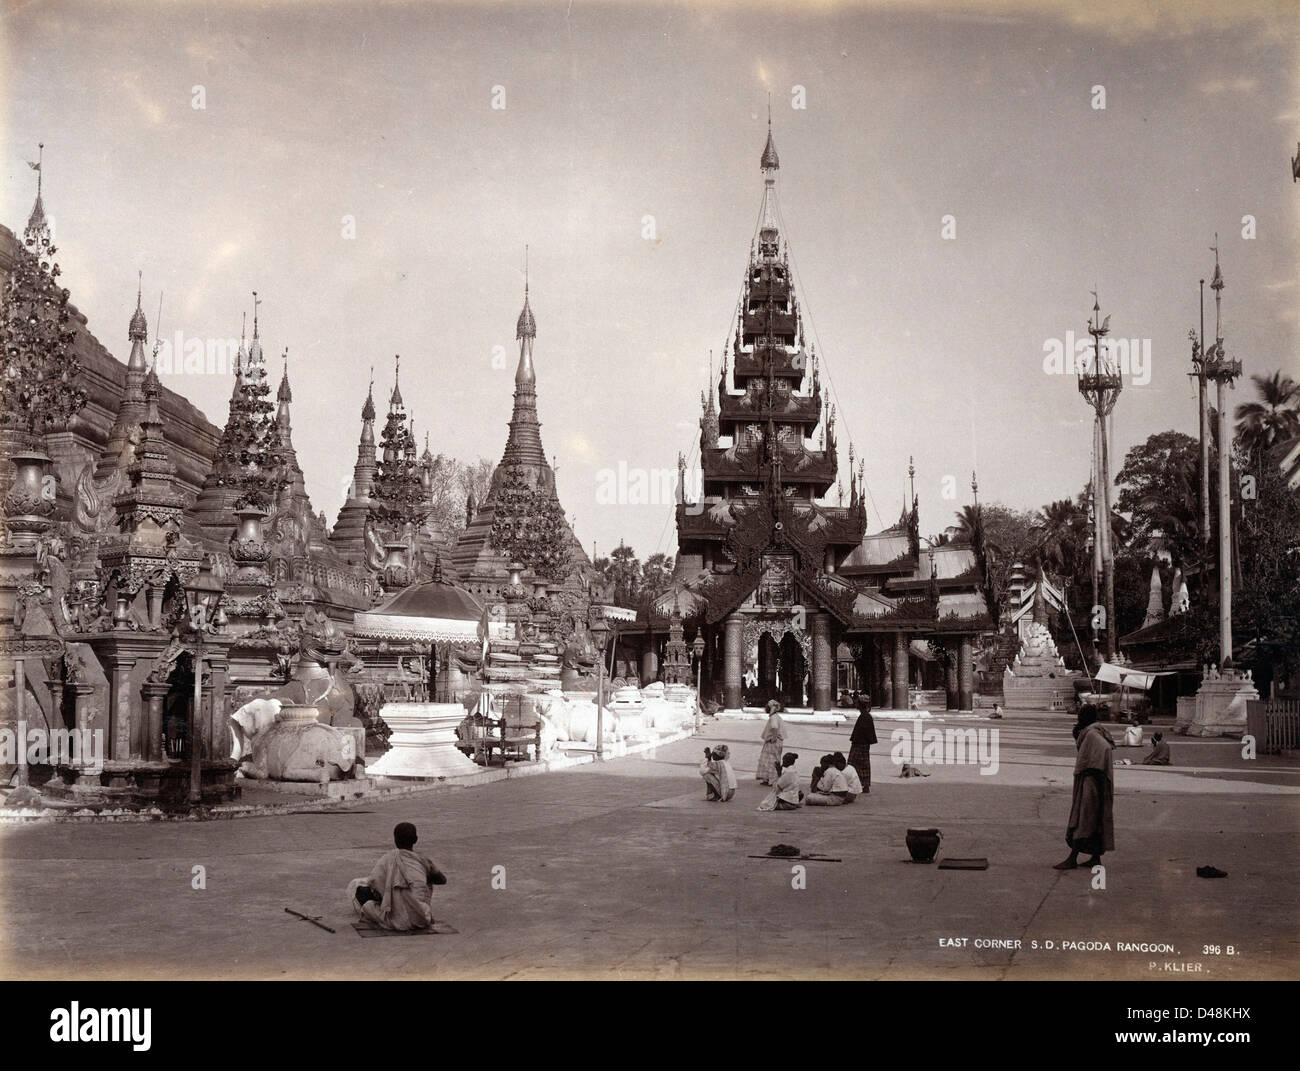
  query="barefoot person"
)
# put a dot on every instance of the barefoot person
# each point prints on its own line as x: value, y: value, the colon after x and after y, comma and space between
x: 719, y: 778
x: 769, y: 758
x: 860, y: 741
x: 786, y: 794
x: 1091, y: 827
x: 398, y: 892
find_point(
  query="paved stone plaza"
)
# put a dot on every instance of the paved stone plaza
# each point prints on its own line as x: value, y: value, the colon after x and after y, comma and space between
x: 621, y: 870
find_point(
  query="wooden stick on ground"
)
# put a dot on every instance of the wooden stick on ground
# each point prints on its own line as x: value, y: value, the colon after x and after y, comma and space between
x: 309, y: 918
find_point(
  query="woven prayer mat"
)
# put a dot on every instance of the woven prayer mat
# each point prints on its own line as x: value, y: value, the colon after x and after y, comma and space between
x: 369, y: 929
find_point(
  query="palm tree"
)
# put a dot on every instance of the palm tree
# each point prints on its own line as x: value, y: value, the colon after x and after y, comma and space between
x: 1061, y: 536
x: 1274, y: 418
x: 969, y: 521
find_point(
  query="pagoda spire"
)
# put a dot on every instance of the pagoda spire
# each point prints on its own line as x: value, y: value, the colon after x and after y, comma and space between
x: 38, y: 226
x: 284, y: 395
x: 524, y: 444
x: 241, y: 357
x: 769, y: 164
x: 395, y: 402
x: 709, y: 427
x: 364, y: 470
x: 525, y: 333
x: 255, y: 350
x: 137, y: 332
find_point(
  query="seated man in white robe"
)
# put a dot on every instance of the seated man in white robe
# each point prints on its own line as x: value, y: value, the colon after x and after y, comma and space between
x: 850, y: 776
x: 832, y: 789
x: 398, y: 893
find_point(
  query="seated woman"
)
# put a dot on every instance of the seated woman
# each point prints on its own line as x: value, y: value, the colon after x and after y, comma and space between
x: 785, y: 794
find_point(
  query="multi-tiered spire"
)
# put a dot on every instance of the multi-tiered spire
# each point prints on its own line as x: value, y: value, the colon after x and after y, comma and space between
x: 777, y: 407
x: 524, y: 444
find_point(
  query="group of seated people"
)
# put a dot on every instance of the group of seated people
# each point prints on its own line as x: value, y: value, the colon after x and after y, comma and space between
x: 834, y: 783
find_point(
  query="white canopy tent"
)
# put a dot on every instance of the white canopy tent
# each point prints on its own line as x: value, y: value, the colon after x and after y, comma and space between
x: 1127, y: 678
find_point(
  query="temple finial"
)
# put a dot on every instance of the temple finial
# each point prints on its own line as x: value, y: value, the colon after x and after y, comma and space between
x: 526, y: 325
x: 395, y: 399
x: 138, y: 330
x: 256, y: 302
x: 36, y: 222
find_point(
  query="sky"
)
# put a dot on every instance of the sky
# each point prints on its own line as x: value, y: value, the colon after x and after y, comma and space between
x: 347, y: 162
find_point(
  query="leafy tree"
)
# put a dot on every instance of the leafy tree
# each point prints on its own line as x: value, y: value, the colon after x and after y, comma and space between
x: 1265, y: 606
x: 1159, y: 491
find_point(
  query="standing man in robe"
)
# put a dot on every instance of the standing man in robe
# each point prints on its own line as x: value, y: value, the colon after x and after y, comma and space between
x: 861, y: 739
x: 1091, y: 827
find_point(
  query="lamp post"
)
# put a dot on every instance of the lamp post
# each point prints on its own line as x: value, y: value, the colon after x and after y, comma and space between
x: 697, y: 649
x: 205, y: 602
x: 600, y: 633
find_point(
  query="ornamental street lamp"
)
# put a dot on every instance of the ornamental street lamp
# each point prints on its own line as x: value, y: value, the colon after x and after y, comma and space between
x: 205, y: 616
x: 600, y: 633
x: 697, y: 649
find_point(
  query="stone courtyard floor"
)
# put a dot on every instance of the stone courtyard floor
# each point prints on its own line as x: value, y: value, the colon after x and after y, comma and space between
x: 622, y: 870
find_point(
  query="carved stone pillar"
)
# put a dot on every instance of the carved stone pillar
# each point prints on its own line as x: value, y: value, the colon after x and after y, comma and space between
x: 966, y: 677
x: 769, y: 654
x: 216, y: 730
x: 85, y: 714
x: 733, y: 663
x: 151, y: 744
x: 119, y: 707
x: 950, y: 679
x: 823, y: 664
x: 155, y: 606
x: 900, y: 693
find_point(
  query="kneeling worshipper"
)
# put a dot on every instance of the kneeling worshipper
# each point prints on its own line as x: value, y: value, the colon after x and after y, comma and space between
x: 786, y: 794
x: 832, y: 788
x: 1159, y: 754
x: 718, y: 775
x: 398, y: 893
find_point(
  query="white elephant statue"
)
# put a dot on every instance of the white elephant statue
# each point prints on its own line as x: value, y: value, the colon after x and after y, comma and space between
x: 294, y: 746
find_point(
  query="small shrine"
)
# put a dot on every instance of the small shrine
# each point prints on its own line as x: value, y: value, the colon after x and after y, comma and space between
x: 1038, y: 678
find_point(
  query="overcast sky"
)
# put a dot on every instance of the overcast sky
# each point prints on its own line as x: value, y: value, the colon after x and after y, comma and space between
x: 613, y: 113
